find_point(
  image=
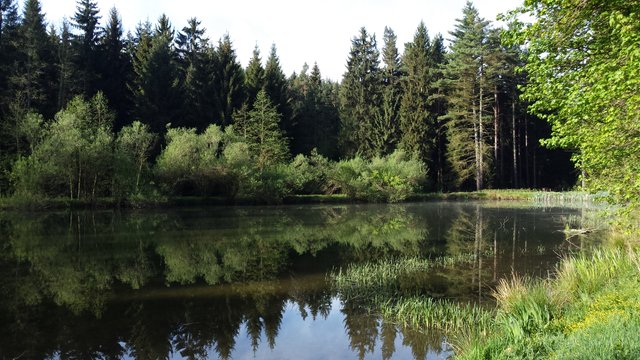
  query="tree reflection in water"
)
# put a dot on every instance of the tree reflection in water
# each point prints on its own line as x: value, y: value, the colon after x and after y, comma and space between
x: 189, y: 282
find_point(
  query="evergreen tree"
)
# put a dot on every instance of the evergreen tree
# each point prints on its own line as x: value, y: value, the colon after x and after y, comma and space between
x: 115, y: 69
x: 254, y: 76
x: 467, y: 99
x: 261, y: 130
x: 437, y: 109
x: 392, y: 91
x: 31, y: 77
x: 360, y: 98
x: 86, y: 47
x: 155, y: 86
x: 65, y: 66
x: 275, y: 85
x: 416, y: 122
x: 314, y: 104
x: 192, y: 45
x: 228, y: 81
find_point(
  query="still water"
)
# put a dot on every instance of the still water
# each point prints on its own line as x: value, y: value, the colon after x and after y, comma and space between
x: 249, y: 282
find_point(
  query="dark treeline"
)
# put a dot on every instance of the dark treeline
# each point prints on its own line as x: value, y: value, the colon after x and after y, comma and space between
x: 115, y: 102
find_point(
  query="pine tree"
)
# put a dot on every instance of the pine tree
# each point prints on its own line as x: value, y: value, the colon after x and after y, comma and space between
x: 416, y: 123
x: 228, y: 81
x: 254, y: 76
x: 360, y: 98
x: 192, y: 45
x: 275, y: 85
x: 155, y: 86
x: 31, y: 78
x: 9, y: 37
x: 437, y: 109
x: 65, y: 66
x: 467, y: 99
x: 392, y: 91
x: 314, y: 106
x: 115, y: 68
x: 262, y: 132
x: 86, y: 47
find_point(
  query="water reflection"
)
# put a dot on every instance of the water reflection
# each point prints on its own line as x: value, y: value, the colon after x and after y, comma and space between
x: 236, y: 282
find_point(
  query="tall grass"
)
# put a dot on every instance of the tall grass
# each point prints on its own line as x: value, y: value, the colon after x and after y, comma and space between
x: 444, y: 315
x: 391, y: 277
x: 590, y: 310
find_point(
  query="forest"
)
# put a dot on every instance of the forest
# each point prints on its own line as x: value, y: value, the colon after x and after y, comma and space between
x: 88, y: 112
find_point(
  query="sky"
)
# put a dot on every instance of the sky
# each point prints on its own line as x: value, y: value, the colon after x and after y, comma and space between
x: 303, y: 31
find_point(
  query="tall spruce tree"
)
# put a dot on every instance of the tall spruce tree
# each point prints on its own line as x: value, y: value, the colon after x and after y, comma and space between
x: 155, y: 86
x: 360, y: 98
x: 30, y: 81
x: 275, y: 85
x: 115, y: 67
x: 65, y: 66
x: 254, y: 76
x: 437, y: 109
x: 192, y: 44
x: 467, y: 98
x: 86, y: 48
x: 228, y: 81
x: 416, y: 123
x: 391, y: 92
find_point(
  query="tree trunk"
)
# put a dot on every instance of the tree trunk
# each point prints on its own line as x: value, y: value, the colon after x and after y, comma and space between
x: 476, y: 145
x: 481, y: 135
x: 515, y: 145
x: 496, y: 126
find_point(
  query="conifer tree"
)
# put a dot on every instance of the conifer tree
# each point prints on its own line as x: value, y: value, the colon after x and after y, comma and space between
x: 360, y: 97
x: 275, y: 85
x: 261, y: 130
x: 416, y: 123
x: 155, y: 86
x: 192, y: 45
x: 254, y: 76
x: 31, y: 77
x: 391, y: 92
x: 228, y: 81
x: 437, y: 109
x: 467, y: 98
x: 86, y: 48
x: 65, y: 66
x: 115, y: 69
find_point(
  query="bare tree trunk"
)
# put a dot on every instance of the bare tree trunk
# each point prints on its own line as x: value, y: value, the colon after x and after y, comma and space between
x: 526, y: 152
x: 481, y: 135
x: 515, y: 145
x: 476, y: 143
x: 496, y: 126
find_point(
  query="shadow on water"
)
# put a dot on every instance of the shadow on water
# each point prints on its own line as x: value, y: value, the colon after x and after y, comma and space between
x: 248, y: 282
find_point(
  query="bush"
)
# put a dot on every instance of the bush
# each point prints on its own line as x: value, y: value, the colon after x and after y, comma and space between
x: 309, y: 174
x: 392, y: 178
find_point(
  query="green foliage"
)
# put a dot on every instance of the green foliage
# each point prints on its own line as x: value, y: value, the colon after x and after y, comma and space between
x: 132, y: 148
x: 74, y: 153
x: 590, y: 311
x: 391, y: 178
x: 360, y: 96
x: 468, y: 153
x: 310, y: 174
x: 583, y: 68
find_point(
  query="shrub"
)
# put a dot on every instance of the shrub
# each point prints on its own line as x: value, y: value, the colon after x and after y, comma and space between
x: 309, y: 174
x: 392, y: 178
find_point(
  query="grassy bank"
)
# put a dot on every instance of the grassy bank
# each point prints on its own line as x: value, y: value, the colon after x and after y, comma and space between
x: 591, y: 310
x: 533, y: 196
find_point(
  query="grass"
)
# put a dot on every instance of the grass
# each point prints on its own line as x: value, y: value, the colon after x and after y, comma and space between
x: 393, y: 288
x: 393, y: 277
x: 591, y: 310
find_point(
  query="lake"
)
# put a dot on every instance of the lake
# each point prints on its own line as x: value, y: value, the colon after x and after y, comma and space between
x: 251, y: 282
